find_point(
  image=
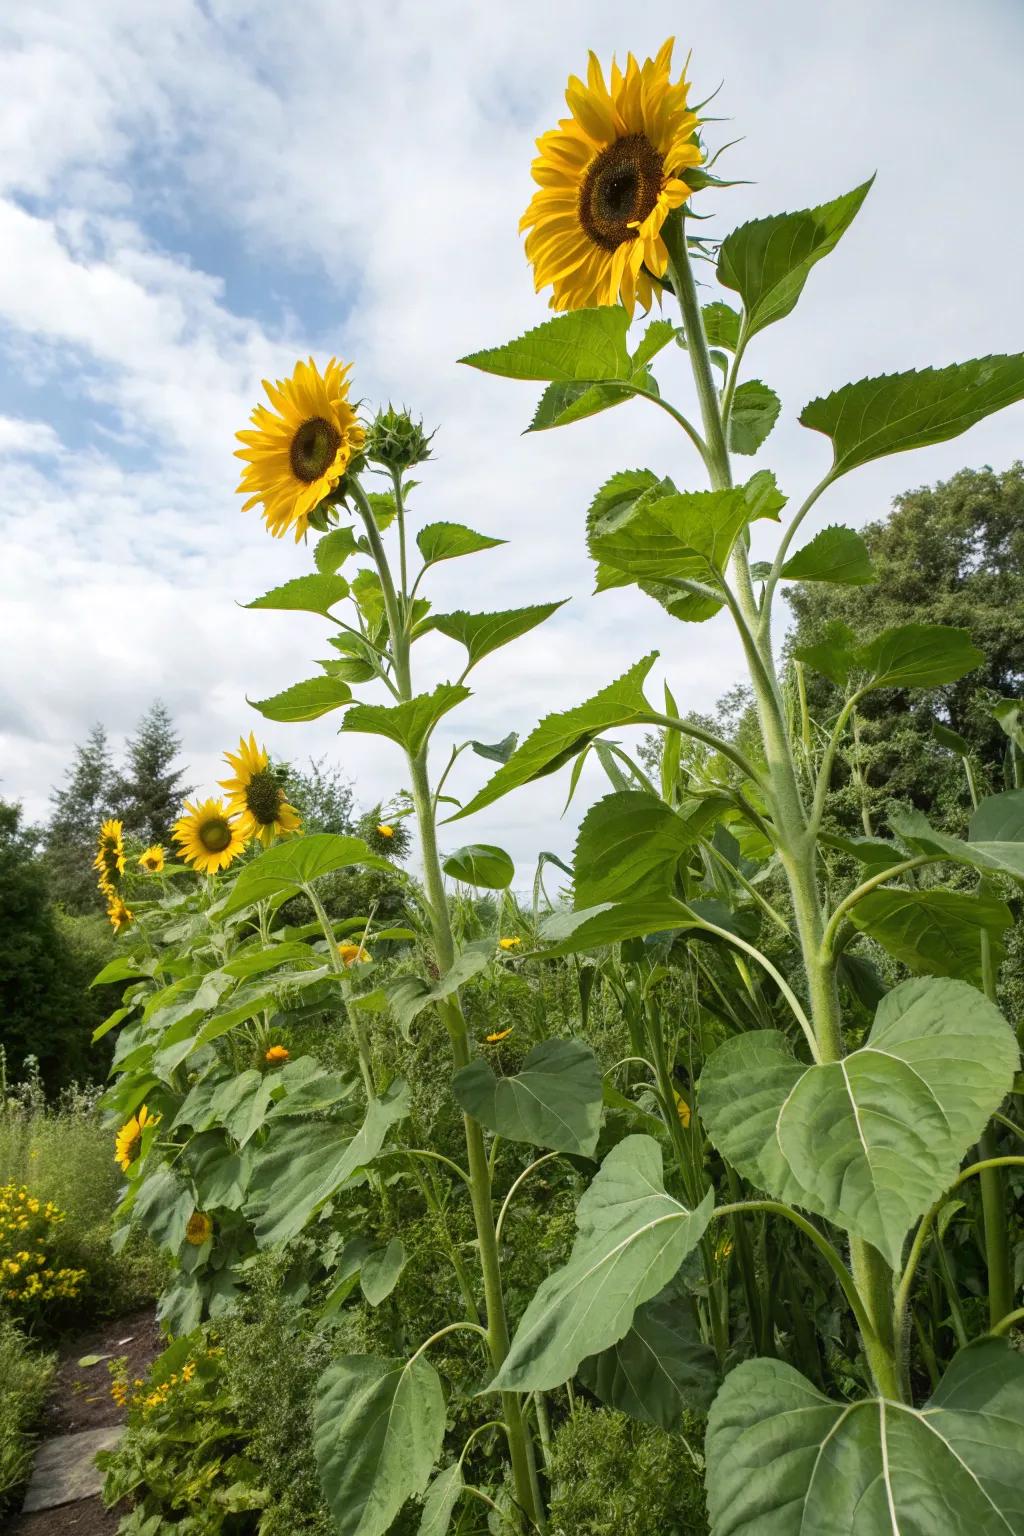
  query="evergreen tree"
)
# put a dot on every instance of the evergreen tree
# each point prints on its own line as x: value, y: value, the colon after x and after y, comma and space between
x: 86, y: 798
x: 322, y: 795
x: 149, y: 791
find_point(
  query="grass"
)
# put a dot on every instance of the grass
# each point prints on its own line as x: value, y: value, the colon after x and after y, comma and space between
x: 25, y: 1376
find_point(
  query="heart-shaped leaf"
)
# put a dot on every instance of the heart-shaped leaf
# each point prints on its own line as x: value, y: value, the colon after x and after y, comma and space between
x: 633, y: 1236
x: 661, y: 1367
x: 783, y: 1460
x: 288, y: 866
x: 871, y: 1141
x: 935, y: 932
x: 378, y: 1428
x: 481, y: 864
x: 835, y: 554
x: 554, y: 1100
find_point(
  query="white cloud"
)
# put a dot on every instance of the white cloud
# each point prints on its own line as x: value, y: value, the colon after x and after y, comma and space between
x: 379, y: 155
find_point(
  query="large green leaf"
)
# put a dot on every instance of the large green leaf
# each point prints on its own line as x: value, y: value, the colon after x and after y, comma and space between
x: 163, y: 1206
x: 482, y: 633
x: 721, y: 325
x: 381, y: 1270
x: 447, y: 541
x: 906, y: 656
x: 439, y: 1505
x: 688, y: 535
x: 301, y: 1166
x: 995, y: 835
x: 899, y: 411
x: 783, y: 1460
x: 633, y: 1236
x: 661, y: 1367
x: 562, y: 404
x: 334, y: 548
x: 558, y: 738
x: 481, y: 864
x: 308, y: 594
x: 288, y: 866
x: 610, y: 922
x: 629, y: 844
x: 871, y: 1141
x: 554, y: 1100
x: 408, y: 724
x: 378, y: 1428
x: 835, y: 554
x: 587, y: 344
x: 934, y: 932
x: 755, y: 410
x: 767, y: 261
x: 304, y: 701
x: 409, y: 995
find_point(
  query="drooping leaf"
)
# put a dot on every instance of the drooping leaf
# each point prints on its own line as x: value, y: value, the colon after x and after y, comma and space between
x: 481, y: 864
x: 290, y: 865
x: 951, y: 740
x: 331, y: 551
x: 661, y: 1367
x: 629, y: 845
x: 448, y: 541
x: 784, y: 1459
x: 721, y: 325
x: 610, y: 922
x: 995, y: 838
x: 558, y: 738
x: 767, y: 261
x: 163, y: 1206
x: 409, y: 995
x: 562, y: 404
x: 409, y: 724
x: 439, y: 1505
x: 302, y: 1165
x: 633, y: 1236
x: 381, y: 1270
x: 554, y: 1100
x: 378, y: 1427
x: 308, y: 594
x: 899, y: 411
x: 497, y: 751
x: 755, y: 410
x: 304, y: 701
x: 871, y: 1141
x: 587, y: 344
x: 835, y: 554
x: 934, y: 932
x: 482, y: 633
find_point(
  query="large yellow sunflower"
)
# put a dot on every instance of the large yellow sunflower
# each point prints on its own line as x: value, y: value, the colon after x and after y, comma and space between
x: 109, y: 860
x: 609, y: 176
x: 255, y: 795
x: 209, y: 835
x: 128, y: 1142
x: 299, y: 450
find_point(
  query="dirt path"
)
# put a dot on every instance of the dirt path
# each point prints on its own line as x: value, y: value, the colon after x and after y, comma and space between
x: 79, y: 1401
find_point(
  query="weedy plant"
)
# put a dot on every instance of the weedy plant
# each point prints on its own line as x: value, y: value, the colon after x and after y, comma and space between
x: 773, y: 1165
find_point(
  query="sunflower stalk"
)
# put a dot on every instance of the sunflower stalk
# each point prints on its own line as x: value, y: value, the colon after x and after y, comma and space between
x: 520, y: 1440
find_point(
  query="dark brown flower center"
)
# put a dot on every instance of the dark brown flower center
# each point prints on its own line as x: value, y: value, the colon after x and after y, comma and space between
x: 313, y: 448
x: 619, y: 190
x: 215, y: 835
x: 263, y: 797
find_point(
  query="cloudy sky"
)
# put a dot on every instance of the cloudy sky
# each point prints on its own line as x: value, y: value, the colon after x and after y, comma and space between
x: 195, y: 192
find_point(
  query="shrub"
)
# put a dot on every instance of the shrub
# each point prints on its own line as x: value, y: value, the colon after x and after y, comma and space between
x: 611, y: 1474
x: 24, y: 1379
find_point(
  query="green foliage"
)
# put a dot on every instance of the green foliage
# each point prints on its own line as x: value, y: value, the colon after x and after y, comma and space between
x: 409, y: 724
x: 304, y: 701
x: 835, y: 554
x: 482, y: 633
x: 25, y: 1377
x: 612, y: 1474
x: 306, y: 594
x: 448, y: 541
x: 755, y: 410
x: 481, y: 864
x: 587, y: 345
x: 554, y: 1100
x: 149, y: 791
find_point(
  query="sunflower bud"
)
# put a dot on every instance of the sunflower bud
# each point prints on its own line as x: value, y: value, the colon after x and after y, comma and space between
x: 397, y: 441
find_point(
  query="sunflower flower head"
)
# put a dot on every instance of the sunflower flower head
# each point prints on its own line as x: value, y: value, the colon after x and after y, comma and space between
x: 276, y: 1055
x: 354, y: 954
x: 514, y: 942
x: 209, y: 836
x: 255, y: 795
x: 119, y: 914
x: 396, y: 440
x: 300, y: 446
x: 198, y: 1229
x: 109, y: 861
x: 152, y: 861
x: 128, y: 1141
x: 608, y: 177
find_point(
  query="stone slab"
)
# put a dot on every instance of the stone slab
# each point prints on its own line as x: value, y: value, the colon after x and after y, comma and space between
x: 65, y: 1468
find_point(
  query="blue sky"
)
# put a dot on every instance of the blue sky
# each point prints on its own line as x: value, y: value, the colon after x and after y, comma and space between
x: 193, y: 194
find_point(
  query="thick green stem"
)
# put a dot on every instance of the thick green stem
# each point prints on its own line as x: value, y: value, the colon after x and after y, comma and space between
x: 520, y: 1441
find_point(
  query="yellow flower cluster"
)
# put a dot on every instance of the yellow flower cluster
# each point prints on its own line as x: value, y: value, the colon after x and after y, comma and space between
x: 152, y: 1395
x: 26, y: 1227
x: 109, y: 864
x: 214, y: 832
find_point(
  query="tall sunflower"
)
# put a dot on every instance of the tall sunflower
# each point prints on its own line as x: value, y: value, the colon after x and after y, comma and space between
x: 609, y: 176
x: 209, y: 835
x: 109, y: 860
x: 299, y: 450
x: 255, y: 795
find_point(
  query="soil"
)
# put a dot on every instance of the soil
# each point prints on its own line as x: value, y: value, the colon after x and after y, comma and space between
x: 80, y: 1399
